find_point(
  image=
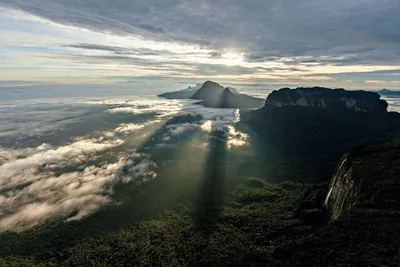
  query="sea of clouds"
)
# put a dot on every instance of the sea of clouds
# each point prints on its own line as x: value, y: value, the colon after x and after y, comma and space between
x: 51, y: 169
x: 63, y: 156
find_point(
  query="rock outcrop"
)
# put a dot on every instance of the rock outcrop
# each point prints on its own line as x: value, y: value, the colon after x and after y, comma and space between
x: 320, y: 97
x: 367, y: 178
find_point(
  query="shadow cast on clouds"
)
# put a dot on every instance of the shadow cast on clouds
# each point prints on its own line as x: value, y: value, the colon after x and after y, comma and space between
x: 123, y: 180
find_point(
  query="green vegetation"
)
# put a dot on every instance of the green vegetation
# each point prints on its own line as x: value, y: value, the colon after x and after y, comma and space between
x: 253, y: 226
x: 213, y: 216
x: 253, y: 218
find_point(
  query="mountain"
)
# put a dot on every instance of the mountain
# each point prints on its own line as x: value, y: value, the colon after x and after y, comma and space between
x: 196, y: 87
x: 208, y: 88
x: 214, y: 95
x: 319, y: 121
x: 227, y: 99
x: 389, y: 93
x: 183, y: 94
x: 327, y: 98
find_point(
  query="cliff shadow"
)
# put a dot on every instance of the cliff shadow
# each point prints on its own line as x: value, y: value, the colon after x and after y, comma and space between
x: 209, y: 202
x: 132, y: 203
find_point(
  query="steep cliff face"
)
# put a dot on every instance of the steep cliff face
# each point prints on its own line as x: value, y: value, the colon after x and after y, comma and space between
x: 306, y: 131
x: 321, y: 132
x: 364, y: 208
x: 327, y: 98
x: 366, y: 178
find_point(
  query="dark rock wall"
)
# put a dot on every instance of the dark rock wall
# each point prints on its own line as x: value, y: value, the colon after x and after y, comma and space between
x: 367, y: 178
x: 327, y: 98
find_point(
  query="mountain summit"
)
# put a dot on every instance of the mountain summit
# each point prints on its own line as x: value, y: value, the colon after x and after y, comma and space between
x: 322, y: 121
x: 214, y: 95
x: 320, y: 97
x: 389, y: 93
x: 209, y: 90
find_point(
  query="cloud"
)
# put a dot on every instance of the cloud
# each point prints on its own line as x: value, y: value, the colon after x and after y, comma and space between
x: 44, y: 147
x: 394, y: 104
x: 268, y: 42
x: 94, y: 47
x: 129, y: 127
x: 138, y: 166
x: 32, y: 191
x: 234, y: 138
x: 126, y: 128
x: 383, y: 82
x: 197, y: 118
x: 355, y: 30
x: 160, y: 107
x: 7, y: 154
x: 164, y: 108
x: 14, y: 173
x: 179, y: 129
x: 182, y: 117
x: 27, y: 118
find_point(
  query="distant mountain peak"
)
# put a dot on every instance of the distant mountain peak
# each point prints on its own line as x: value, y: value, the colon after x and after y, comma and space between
x: 389, y: 93
x: 196, y: 87
x: 211, y: 84
x: 209, y: 89
x: 226, y: 90
x: 215, y: 95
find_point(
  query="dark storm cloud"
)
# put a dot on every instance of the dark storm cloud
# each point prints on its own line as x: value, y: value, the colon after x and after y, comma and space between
x: 352, y: 32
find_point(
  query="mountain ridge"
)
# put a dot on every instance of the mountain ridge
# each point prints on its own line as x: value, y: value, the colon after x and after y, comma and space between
x: 322, y: 122
x: 213, y: 95
x: 389, y: 93
x: 322, y: 97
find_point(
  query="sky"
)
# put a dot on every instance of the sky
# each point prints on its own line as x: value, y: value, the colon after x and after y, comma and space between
x: 270, y: 43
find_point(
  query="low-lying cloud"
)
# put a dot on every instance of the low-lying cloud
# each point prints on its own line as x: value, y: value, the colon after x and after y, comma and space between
x: 32, y: 191
x: 126, y: 128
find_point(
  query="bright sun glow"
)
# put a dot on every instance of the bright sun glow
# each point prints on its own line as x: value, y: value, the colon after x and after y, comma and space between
x: 232, y: 58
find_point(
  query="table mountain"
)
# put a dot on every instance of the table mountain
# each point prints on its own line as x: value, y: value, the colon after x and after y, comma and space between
x: 327, y: 98
x: 320, y: 121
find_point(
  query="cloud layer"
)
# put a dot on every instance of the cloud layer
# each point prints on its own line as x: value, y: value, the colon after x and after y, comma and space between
x: 32, y: 191
x: 75, y: 177
x: 74, y: 180
x: 261, y: 28
x: 296, y: 42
